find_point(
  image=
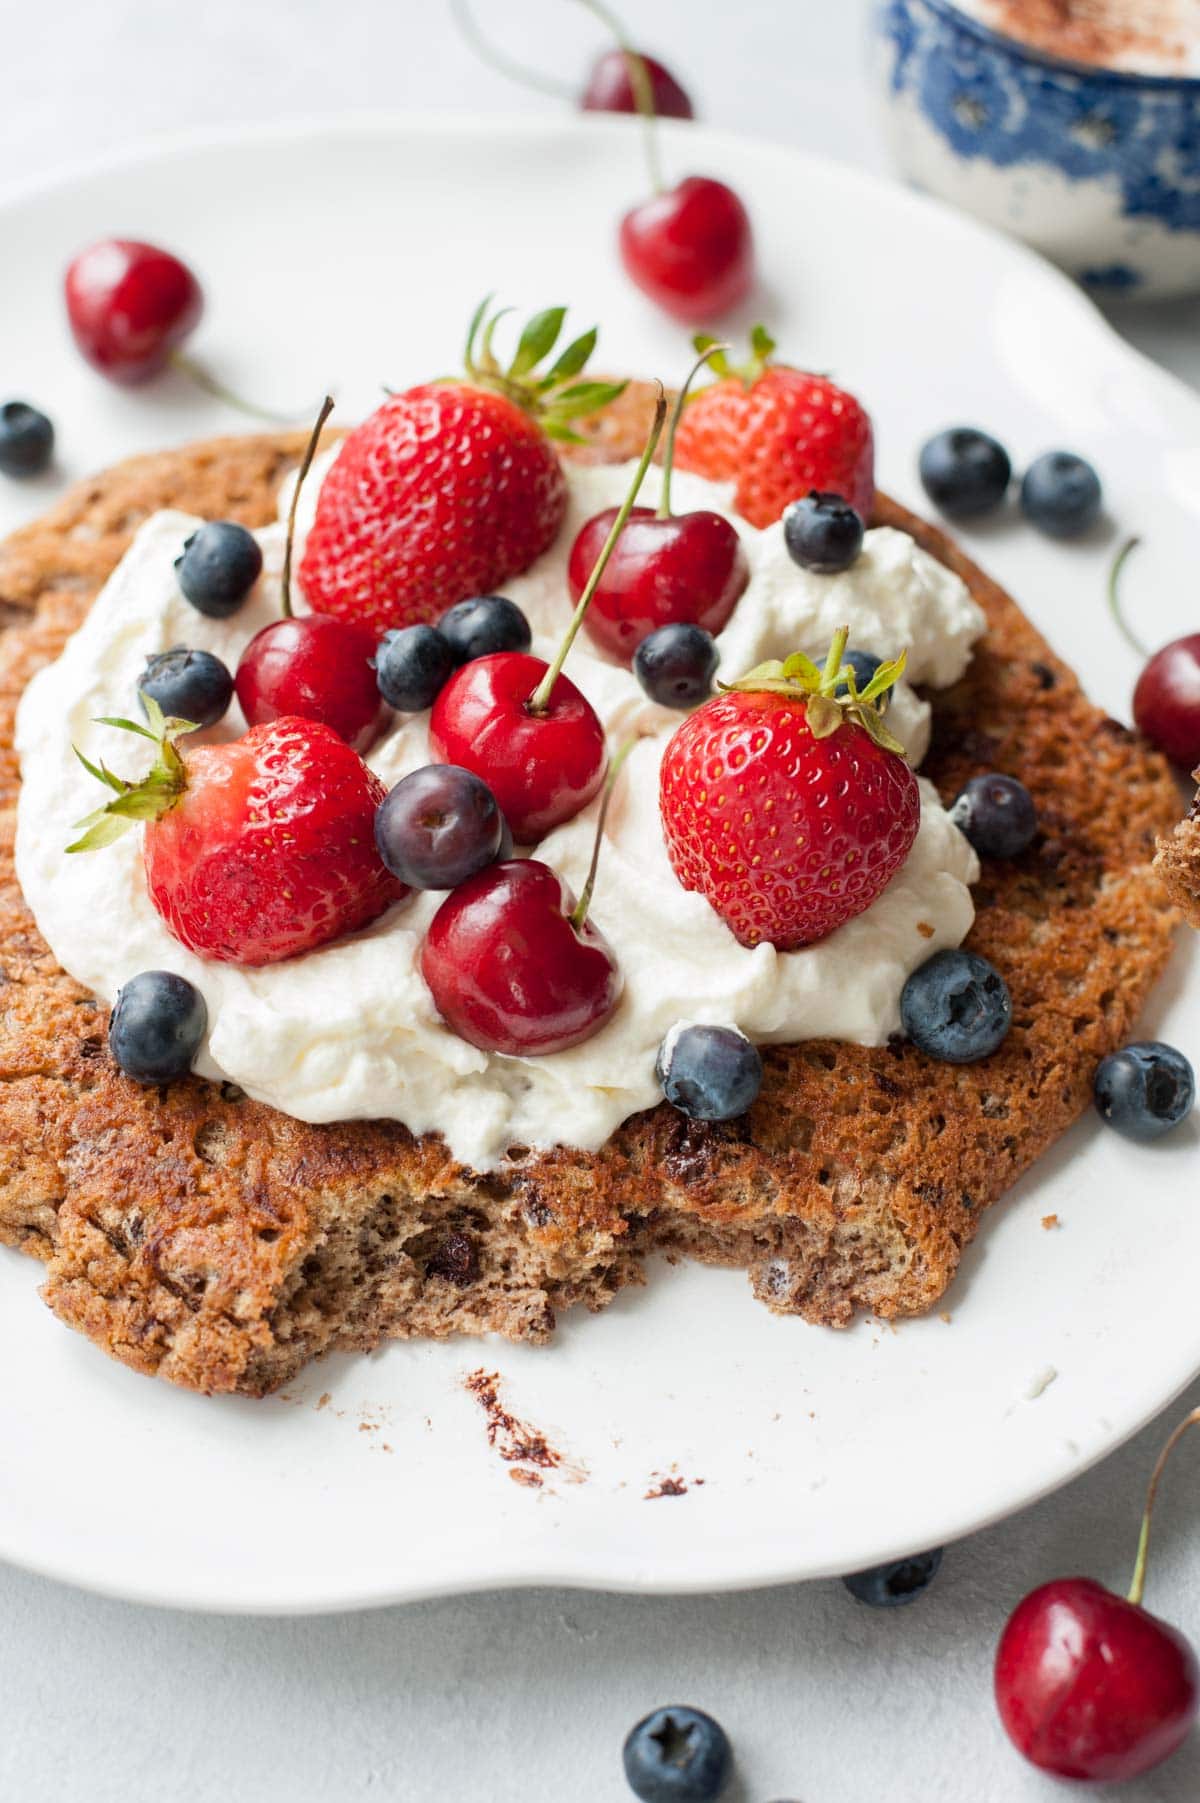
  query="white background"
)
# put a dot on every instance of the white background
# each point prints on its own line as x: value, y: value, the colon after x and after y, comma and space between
x: 524, y: 1696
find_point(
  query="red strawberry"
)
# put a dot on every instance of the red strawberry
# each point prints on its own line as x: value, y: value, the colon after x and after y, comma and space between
x: 777, y: 432
x: 449, y: 489
x: 788, y: 807
x: 256, y: 850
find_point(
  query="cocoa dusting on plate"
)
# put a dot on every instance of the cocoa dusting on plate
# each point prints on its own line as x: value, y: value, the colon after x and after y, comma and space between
x: 1126, y: 33
x: 519, y: 1444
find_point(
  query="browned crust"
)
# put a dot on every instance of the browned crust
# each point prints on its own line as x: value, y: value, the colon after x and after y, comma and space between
x: 201, y: 1236
x: 1178, y: 862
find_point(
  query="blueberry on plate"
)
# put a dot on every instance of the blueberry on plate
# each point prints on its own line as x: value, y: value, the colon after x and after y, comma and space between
x: 677, y: 1755
x: 822, y: 532
x: 438, y: 826
x: 187, y: 685
x: 709, y: 1073
x: 220, y: 564
x: 1145, y: 1089
x: 901, y: 1581
x: 676, y: 664
x: 412, y: 665
x: 156, y: 1026
x: 964, y: 472
x: 997, y: 814
x: 26, y: 439
x: 482, y: 625
x: 956, y: 1007
x: 1061, y: 494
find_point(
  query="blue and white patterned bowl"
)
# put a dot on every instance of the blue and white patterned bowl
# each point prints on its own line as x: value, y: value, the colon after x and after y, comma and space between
x: 1098, y: 168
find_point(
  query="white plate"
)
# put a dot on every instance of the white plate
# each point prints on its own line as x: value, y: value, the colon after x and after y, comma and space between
x: 351, y: 255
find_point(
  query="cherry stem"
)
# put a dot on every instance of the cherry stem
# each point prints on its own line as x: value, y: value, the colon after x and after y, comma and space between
x: 505, y: 65
x: 1114, y: 596
x: 310, y: 451
x: 1138, y: 1586
x: 580, y: 913
x: 196, y: 372
x: 539, y: 701
x: 668, y: 468
x: 640, y: 82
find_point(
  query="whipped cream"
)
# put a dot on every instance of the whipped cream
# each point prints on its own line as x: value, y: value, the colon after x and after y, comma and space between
x: 351, y: 1031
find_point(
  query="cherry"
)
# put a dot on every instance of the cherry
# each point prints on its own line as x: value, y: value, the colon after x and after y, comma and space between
x: 1166, y: 701
x: 612, y: 88
x: 510, y: 967
x: 690, y: 248
x: 523, y: 726
x: 130, y: 306
x: 1090, y: 1685
x: 313, y: 665
x: 666, y: 569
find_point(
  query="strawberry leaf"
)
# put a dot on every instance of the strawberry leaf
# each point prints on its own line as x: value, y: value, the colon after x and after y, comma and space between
x: 537, y: 340
x: 571, y: 361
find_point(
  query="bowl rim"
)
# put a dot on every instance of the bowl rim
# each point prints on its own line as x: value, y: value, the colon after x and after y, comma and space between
x: 954, y: 15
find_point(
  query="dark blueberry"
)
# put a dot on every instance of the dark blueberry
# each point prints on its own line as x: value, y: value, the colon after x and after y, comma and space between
x: 412, y: 665
x: 709, y: 1073
x: 677, y: 1755
x: 956, y: 1007
x: 1145, y: 1089
x: 676, y: 665
x: 997, y: 814
x: 822, y: 532
x: 156, y: 1026
x: 482, y: 625
x: 190, y: 685
x: 26, y: 439
x: 438, y: 826
x: 1061, y: 494
x: 888, y: 1586
x: 221, y: 562
x: 964, y: 472
x: 864, y: 664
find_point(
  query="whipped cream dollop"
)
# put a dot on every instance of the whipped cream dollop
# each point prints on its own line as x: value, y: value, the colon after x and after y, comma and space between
x: 351, y: 1031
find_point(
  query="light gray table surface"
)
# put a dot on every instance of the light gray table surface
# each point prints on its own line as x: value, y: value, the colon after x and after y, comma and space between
x: 491, y: 1699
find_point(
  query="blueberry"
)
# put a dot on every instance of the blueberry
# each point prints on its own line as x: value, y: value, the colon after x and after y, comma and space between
x: 482, y: 625
x: 438, y: 826
x: 412, y: 665
x: 964, y: 472
x: 26, y: 439
x: 956, y: 1007
x: 902, y: 1581
x: 1061, y: 494
x: 864, y: 664
x: 997, y: 814
x: 1145, y: 1089
x: 676, y: 664
x: 677, y: 1755
x: 156, y: 1026
x: 822, y: 532
x: 190, y: 685
x: 709, y: 1073
x: 220, y: 564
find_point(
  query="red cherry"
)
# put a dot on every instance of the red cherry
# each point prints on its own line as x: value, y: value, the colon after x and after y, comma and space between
x: 508, y: 967
x: 541, y: 767
x: 690, y: 568
x: 1166, y: 701
x: 130, y: 305
x: 315, y: 666
x: 611, y: 90
x: 1091, y: 1686
x: 690, y: 248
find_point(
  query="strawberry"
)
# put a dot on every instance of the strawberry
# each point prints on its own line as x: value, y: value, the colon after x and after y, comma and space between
x: 787, y: 805
x: 776, y: 432
x: 256, y: 850
x: 452, y: 487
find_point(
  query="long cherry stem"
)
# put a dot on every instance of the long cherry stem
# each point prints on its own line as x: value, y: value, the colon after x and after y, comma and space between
x: 1137, y: 1588
x: 580, y: 913
x: 310, y: 451
x: 640, y: 82
x: 668, y: 467
x: 539, y: 701
x: 196, y: 372
x: 1114, y: 596
x: 505, y: 65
